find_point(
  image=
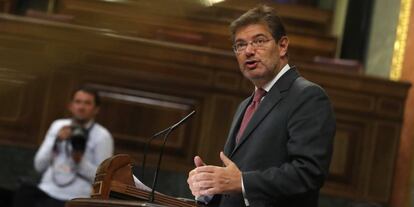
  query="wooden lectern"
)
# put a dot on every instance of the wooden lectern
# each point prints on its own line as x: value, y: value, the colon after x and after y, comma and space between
x: 114, y: 186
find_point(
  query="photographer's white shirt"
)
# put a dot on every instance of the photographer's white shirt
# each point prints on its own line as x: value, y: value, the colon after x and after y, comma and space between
x: 62, y: 179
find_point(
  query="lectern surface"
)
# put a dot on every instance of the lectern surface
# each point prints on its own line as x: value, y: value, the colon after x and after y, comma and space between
x: 88, y: 202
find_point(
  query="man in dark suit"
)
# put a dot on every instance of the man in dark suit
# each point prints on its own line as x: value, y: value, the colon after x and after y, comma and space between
x: 280, y: 142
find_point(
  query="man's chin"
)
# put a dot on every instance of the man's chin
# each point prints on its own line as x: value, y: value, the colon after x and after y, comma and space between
x: 254, y: 75
x: 80, y: 120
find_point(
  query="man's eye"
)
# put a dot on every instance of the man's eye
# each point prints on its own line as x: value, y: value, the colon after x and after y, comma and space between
x: 241, y: 45
x: 259, y: 41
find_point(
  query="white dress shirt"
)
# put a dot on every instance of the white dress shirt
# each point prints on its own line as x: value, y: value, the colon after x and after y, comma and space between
x: 62, y: 178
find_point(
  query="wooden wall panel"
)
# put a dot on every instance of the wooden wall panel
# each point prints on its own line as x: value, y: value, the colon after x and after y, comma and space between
x: 178, y: 21
x: 135, y: 115
x: 21, y: 95
x: 387, y: 138
x: 6, y: 6
x: 347, y: 172
x: 13, y: 95
x: 221, y: 109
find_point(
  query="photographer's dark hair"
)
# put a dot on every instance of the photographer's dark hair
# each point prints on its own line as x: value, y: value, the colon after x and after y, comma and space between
x: 261, y: 14
x: 91, y: 91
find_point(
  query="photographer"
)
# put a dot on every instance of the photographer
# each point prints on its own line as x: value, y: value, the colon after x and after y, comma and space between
x: 69, y: 155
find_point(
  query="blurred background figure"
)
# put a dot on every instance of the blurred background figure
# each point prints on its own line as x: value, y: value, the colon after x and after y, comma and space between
x: 69, y: 155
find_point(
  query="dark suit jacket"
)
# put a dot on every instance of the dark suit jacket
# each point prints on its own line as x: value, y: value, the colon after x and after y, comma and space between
x: 285, y: 151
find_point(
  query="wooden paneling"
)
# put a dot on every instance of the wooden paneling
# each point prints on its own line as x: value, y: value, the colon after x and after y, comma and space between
x: 21, y: 93
x: 347, y: 173
x: 384, y: 154
x: 134, y: 115
x: 6, y: 5
x: 148, y: 84
x: 221, y: 108
x: 180, y: 20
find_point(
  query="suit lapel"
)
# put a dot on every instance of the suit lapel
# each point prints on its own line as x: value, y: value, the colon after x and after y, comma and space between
x: 273, y: 97
x: 228, y: 147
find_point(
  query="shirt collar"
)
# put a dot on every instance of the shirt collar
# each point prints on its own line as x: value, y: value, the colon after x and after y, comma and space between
x: 269, y: 85
x: 88, y: 124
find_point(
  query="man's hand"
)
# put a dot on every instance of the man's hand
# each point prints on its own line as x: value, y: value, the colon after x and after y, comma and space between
x: 210, y: 180
x: 64, y: 133
x: 198, y: 162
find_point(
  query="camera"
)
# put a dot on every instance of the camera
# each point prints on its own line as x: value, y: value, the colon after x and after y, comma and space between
x: 78, y: 138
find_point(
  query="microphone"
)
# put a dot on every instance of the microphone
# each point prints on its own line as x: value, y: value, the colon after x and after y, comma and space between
x: 166, y: 132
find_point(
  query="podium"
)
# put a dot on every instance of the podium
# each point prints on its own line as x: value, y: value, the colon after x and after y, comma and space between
x: 114, y: 186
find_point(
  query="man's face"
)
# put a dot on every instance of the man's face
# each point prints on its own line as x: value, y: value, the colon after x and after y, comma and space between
x: 83, y: 106
x: 260, y: 64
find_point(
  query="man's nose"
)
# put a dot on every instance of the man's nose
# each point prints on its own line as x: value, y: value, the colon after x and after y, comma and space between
x: 250, y: 50
x: 82, y: 105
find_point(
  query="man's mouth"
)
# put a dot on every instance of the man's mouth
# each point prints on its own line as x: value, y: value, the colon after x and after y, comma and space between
x: 251, y: 64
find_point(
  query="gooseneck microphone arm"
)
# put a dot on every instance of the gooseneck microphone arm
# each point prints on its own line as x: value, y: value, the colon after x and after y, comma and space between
x: 154, y: 182
x: 168, y: 132
x: 147, y: 144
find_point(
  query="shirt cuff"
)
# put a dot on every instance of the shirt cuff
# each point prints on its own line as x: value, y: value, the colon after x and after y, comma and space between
x: 204, y: 199
x: 246, y: 201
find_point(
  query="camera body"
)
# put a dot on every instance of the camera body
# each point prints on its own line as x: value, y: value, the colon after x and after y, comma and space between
x: 78, y: 138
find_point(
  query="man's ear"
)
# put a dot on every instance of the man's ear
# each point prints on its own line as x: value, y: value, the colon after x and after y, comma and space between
x: 283, y: 45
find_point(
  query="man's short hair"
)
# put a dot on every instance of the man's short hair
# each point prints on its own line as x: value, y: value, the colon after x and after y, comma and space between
x: 91, y: 91
x: 261, y: 14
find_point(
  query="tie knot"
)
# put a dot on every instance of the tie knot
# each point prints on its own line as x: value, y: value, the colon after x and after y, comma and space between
x: 258, y: 95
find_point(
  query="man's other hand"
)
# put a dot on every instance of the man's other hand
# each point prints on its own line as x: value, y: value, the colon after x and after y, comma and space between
x: 64, y: 133
x: 210, y: 180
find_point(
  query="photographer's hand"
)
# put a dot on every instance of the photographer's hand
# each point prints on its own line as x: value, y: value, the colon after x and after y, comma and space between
x: 77, y: 156
x: 64, y: 133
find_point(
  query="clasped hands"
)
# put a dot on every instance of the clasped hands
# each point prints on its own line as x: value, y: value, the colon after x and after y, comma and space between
x: 207, y: 180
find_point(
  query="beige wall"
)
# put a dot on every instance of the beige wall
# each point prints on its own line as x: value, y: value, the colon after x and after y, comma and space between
x: 382, y: 36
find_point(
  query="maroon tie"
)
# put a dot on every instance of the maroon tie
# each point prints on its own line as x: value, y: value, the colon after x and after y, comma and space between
x: 258, y: 95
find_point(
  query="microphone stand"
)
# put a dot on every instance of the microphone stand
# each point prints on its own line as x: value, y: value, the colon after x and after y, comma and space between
x: 147, y: 144
x: 168, y: 132
x: 154, y: 182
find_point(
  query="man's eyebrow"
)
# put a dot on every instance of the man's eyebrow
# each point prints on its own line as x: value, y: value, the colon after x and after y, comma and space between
x: 259, y: 35
x: 254, y: 37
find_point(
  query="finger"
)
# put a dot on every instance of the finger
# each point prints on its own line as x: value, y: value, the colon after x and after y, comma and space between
x: 195, y: 191
x: 195, y: 188
x: 190, y: 181
x: 65, y: 129
x: 225, y: 159
x: 198, y: 161
x: 209, y: 191
x: 203, y: 185
x: 203, y: 177
x: 192, y: 172
x: 207, y: 169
